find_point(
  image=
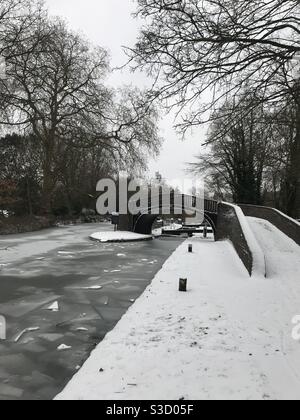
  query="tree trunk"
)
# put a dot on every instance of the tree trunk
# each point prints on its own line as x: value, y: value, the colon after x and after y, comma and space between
x: 69, y: 204
x: 47, y: 189
x: 28, y: 193
x: 48, y: 176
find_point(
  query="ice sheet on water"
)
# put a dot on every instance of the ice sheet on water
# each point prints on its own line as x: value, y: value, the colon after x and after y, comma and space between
x: 111, y: 314
x: 33, y: 347
x: 104, y: 300
x: 81, y: 318
x: 27, y: 330
x: 40, y: 379
x: 51, y: 337
x: 10, y: 391
x: 92, y: 287
x: 54, y: 307
x: 64, y: 347
x: 20, y: 307
x: 94, y: 279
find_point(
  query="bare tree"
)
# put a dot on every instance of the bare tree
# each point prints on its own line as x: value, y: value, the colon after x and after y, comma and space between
x: 19, y: 32
x: 20, y: 164
x: 281, y: 156
x: 219, y: 48
x: 56, y: 91
x: 239, y: 155
x: 19, y: 22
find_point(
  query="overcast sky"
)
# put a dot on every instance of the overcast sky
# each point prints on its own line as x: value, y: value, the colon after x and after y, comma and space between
x: 109, y: 23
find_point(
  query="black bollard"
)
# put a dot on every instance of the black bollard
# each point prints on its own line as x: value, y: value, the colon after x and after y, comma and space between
x: 190, y: 248
x: 182, y: 285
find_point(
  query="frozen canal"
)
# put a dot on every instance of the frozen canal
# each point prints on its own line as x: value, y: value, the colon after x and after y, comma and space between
x: 92, y: 283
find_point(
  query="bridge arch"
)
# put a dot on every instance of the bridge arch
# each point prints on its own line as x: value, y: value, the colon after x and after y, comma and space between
x: 143, y: 222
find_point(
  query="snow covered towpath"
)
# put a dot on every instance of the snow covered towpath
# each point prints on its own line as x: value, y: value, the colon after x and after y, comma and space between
x: 228, y: 337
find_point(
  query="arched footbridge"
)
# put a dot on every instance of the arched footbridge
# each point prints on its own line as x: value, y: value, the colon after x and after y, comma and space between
x: 227, y: 221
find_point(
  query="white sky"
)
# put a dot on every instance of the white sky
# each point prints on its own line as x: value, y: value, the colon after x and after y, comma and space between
x: 109, y: 23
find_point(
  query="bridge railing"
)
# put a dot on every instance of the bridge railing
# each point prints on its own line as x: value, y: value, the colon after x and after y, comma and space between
x: 177, y: 201
x: 211, y: 206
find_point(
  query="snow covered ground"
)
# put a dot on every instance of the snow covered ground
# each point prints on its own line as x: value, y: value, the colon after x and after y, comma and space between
x: 259, y: 263
x: 282, y: 253
x: 119, y: 236
x: 229, y: 337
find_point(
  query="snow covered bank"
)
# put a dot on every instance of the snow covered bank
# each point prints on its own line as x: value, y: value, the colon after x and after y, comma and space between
x: 259, y: 263
x: 286, y: 224
x: 229, y: 337
x: 119, y: 237
x: 282, y: 253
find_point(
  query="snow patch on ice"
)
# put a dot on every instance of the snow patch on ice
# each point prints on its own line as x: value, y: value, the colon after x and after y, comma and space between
x: 64, y: 347
x: 120, y: 236
x: 54, y: 307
